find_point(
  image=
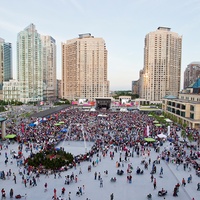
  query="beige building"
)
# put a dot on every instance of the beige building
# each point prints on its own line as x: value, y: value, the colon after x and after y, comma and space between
x: 49, y: 67
x: 11, y: 90
x: 84, y: 68
x: 186, y: 107
x: 162, y: 65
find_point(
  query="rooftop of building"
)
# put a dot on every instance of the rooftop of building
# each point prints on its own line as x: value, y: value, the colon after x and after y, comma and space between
x: 85, y: 35
x: 164, y: 28
x: 185, y: 101
x: 169, y: 97
x: 195, y: 63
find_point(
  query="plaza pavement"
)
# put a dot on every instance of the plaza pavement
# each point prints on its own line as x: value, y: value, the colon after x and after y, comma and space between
x: 139, y: 188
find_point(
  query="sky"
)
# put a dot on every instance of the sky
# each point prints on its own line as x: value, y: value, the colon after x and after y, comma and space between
x: 123, y: 24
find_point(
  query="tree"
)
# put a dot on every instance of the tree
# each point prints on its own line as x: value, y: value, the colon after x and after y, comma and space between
x: 190, y: 137
x: 184, y: 125
x: 183, y: 134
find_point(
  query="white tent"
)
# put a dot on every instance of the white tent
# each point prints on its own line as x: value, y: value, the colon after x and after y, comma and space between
x: 162, y: 135
x: 100, y: 115
x: 168, y: 120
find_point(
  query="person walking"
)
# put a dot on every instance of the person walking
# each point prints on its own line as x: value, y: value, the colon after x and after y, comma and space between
x: 183, y: 182
x: 112, y: 196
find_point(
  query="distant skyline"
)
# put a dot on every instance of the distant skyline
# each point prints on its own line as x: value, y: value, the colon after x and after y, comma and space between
x: 123, y: 24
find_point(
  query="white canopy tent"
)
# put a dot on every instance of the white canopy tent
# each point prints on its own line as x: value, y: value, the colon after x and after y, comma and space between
x: 162, y: 136
x: 168, y: 120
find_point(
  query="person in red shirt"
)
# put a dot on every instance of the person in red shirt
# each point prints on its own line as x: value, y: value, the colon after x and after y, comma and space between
x: 3, y: 193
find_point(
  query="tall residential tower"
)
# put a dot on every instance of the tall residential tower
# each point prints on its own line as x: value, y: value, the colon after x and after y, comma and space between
x: 29, y: 64
x: 49, y: 67
x: 6, y: 73
x: 162, y: 64
x: 84, y: 68
x: 36, y: 66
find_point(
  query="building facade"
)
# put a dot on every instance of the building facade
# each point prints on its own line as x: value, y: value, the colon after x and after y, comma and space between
x: 49, y: 68
x: 161, y: 74
x: 6, y: 73
x: 84, y: 68
x: 11, y: 90
x: 59, y: 89
x: 36, y: 66
x: 135, y: 87
x: 29, y: 64
x: 186, y: 107
x: 191, y: 73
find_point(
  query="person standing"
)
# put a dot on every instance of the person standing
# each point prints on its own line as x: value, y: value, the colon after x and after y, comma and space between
x: 198, y: 186
x: 152, y: 177
x: 63, y: 191
x: 95, y: 176
x: 83, y: 189
x: 11, y: 193
x: 25, y: 182
x: 154, y: 183
x: 161, y: 171
x: 101, y: 182
x: 76, y: 178
x: 69, y: 196
x: 3, y: 193
x: 99, y: 176
x: 45, y: 187
x: 190, y: 178
x: 14, y: 178
x: 54, y: 193
x: 80, y: 190
x: 112, y: 196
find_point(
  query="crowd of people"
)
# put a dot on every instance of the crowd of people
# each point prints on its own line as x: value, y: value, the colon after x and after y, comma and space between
x: 111, y: 132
